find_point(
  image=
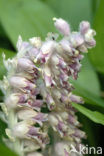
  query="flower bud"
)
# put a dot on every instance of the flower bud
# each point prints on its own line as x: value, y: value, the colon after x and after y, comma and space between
x: 14, y: 99
x: 66, y: 46
x: 26, y: 113
x: 34, y: 154
x: 62, y: 128
x: 72, y: 120
x: 84, y: 27
x: 91, y: 44
x: 62, y: 64
x: 47, y: 77
x: 63, y: 76
x: 32, y: 53
x: 89, y: 35
x: 30, y: 145
x: 64, y: 98
x: 40, y: 118
x: 76, y: 99
x: 21, y: 83
x: 80, y: 57
x: 64, y: 115
x: 50, y: 102
x: 80, y: 134
x: 48, y: 47
x: 36, y: 42
x: 37, y: 134
x: 37, y: 104
x: 62, y: 26
x: 45, y: 52
x: 54, y: 60
x: 26, y: 64
x: 48, y: 80
x: 53, y: 120
x: 60, y: 148
x: 56, y: 93
x: 83, y: 48
x: 76, y: 39
x: 9, y: 63
x: 21, y: 129
x: 21, y: 46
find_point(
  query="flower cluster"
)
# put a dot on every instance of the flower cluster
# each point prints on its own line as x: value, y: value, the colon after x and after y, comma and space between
x: 38, y: 93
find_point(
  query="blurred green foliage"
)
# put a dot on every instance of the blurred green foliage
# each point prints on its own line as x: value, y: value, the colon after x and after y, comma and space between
x: 4, y: 151
x: 97, y: 57
x: 30, y: 18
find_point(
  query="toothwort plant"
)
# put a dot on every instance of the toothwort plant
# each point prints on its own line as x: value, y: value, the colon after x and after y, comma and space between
x: 38, y: 94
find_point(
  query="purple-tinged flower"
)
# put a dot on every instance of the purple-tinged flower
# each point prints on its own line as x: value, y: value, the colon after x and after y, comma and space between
x: 84, y: 27
x: 39, y: 136
x: 21, y: 83
x: 21, y: 129
x: 76, y: 99
x: 62, y: 149
x: 27, y: 65
x: 80, y: 134
x: 36, y: 42
x: 66, y: 45
x: 50, y: 102
x: 21, y: 46
x: 62, y: 26
x: 76, y: 39
x: 26, y: 113
x: 40, y: 118
x: 35, y: 104
x: 14, y: 99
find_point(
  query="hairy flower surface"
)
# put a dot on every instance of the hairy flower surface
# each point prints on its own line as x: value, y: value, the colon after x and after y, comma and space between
x: 38, y: 93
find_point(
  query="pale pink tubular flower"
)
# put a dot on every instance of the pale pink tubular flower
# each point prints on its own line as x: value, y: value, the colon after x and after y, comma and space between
x: 38, y: 93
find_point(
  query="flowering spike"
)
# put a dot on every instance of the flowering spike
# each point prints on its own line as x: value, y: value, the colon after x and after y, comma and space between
x: 38, y: 93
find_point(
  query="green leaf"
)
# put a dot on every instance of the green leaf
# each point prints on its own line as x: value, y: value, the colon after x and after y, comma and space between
x: 25, y: 18
x: 88, y: 128
x: 6, y: 151
x: 8, y: 54
x: 2, y: 33
x: 97, y: 56
x: 3, y: 149
x: 93, y: 115
x: 89, y: 98
x: 95, y: 5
